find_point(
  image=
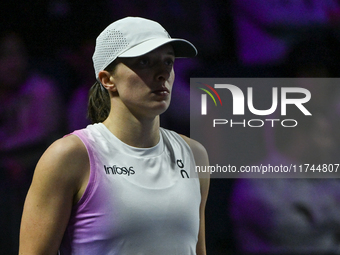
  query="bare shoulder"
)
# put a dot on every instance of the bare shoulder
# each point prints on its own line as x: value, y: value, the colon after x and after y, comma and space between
x: 67, y: 150
x: 67, y: 145
x: 65, y: 161
x: 200, y: 155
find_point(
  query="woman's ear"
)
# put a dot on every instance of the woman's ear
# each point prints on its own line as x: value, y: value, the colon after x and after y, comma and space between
x: 107, y: 80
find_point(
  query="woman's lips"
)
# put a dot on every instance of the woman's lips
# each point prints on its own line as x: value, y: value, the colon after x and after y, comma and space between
x: 162, y: 92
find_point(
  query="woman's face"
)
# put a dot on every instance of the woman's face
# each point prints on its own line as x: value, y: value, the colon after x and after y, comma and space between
x: 144, y: 83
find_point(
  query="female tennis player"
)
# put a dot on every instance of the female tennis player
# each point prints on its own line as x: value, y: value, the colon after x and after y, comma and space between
x: 122, y: 185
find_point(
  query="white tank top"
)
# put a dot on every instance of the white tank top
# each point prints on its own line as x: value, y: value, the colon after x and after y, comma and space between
x: 138, y: 200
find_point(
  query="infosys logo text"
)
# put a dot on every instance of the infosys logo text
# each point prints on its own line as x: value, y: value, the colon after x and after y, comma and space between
x: 119, y: 170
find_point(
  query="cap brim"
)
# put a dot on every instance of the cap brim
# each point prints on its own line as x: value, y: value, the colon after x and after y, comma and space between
x: 182, y: 48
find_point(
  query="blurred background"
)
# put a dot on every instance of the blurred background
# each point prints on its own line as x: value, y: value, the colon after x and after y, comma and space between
x: 46, y: 71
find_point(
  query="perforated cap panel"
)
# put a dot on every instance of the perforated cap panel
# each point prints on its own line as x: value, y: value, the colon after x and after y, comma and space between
x: 132, y: 37
x: 109, y: 44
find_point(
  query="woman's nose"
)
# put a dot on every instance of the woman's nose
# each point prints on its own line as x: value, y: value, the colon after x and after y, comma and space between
x: 163, y: 72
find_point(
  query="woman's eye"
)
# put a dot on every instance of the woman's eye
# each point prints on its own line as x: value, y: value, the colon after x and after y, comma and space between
x: 144, y: 62
x: 169, y: 62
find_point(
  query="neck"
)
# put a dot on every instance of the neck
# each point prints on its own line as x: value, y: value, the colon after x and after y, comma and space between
x: 133, y: 131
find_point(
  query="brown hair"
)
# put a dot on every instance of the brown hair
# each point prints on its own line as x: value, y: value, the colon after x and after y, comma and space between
x: 99, y: 104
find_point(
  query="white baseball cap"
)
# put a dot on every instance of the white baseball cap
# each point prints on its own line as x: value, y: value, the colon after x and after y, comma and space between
x: 133, y: 37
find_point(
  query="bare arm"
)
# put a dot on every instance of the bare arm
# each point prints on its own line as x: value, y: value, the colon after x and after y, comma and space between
x: 201, y: 159
x: 59, y: 180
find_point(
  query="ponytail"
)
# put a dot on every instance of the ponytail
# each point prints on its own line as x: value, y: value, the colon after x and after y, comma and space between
x: 99, y: 105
